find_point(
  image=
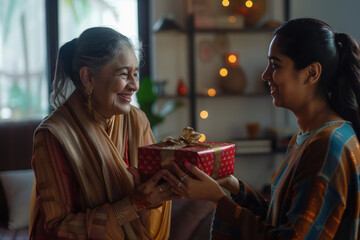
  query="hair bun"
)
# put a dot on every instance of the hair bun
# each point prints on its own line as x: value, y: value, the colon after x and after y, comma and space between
x: 67, y: 52
x: 339, y: 38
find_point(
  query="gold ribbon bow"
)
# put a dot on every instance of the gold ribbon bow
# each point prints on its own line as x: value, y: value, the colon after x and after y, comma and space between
x: 189, y: 138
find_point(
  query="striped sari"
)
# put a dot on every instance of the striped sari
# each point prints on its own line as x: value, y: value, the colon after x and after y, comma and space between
x: 82, y: 184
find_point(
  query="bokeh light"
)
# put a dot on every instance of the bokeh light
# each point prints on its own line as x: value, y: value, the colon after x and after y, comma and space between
x: 225, y: 3
x: 249, y: 4
x: 232, y: 58
x: 223, y: 72
x: 204, y: 114
x: 203, y: 138
x: 211, y: 92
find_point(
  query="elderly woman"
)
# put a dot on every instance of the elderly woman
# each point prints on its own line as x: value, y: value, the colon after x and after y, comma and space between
x: 85, y: 152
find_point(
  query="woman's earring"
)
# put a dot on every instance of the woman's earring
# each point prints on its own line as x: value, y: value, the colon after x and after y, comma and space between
x: 88, y: 92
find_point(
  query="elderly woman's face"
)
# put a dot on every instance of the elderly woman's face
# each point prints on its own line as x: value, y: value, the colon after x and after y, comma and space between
x: 114, y: 86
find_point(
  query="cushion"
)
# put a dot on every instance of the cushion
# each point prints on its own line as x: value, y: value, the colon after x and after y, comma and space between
x: 17, y: 185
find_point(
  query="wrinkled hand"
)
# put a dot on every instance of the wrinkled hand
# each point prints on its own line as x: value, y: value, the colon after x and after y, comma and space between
x: 150, y: 194
x: 203, y: 188
x: 231, y: 183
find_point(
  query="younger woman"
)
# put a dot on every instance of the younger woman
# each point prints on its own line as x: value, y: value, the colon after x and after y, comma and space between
x: 314, y: 72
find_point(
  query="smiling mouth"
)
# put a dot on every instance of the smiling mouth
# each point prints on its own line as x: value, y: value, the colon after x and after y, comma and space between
x: 273, y: 88
x: 125, y: 96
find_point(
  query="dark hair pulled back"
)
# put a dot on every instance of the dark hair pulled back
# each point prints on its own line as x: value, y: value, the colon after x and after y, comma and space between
x: 306, y: 41
x: 66, y: 54
x: 94, y: 48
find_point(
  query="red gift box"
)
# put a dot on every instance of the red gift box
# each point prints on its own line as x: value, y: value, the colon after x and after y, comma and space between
x: 206, y: 156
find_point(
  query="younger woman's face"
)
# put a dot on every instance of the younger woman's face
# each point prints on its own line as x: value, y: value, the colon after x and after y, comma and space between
x: 115, y: 85
x: 286, y: 82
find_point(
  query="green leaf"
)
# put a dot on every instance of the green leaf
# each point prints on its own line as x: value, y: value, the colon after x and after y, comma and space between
x: 147, y: 99
x: 145, y: 92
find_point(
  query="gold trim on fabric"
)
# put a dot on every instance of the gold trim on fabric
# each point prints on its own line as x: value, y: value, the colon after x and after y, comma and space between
x: 124, y: 211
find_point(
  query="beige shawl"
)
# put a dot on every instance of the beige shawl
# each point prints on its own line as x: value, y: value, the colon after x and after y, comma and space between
x: 94, y: 149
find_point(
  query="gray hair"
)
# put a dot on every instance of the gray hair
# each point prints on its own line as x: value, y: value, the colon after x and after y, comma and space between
x: 94, y: 48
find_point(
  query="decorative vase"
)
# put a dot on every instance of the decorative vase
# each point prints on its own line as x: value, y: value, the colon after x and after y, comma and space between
x: 234, y: 82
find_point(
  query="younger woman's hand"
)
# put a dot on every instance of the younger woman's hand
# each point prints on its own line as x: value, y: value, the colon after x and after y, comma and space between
x: 231, y: 183
x: 203, y: 188
x: 150, y: 194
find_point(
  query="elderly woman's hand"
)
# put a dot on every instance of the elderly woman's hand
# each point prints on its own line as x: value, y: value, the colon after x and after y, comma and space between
x: 203, y: 188
x: 151, y: 193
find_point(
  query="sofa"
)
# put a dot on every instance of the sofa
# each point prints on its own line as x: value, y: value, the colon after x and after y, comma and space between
x: 16, y: 139
x: 190, y: 219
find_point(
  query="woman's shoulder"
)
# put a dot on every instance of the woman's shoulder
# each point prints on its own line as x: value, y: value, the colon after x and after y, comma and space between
x: 55, y: 120
x: 327, y: 148
x: 53, y: 116
x: 338, y: 132
x: 334, y: 139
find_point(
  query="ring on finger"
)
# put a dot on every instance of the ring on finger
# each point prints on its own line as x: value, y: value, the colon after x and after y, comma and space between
x: 179, y: 184
x: 182, y: 179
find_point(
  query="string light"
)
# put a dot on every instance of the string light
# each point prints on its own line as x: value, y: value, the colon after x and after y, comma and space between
x: 203, y: 138
x: 232, y: 58
x: 204, y: 114
x: 249, y: 4
x: 223, y: 72
x: 211, y: 92
x: 225, y: 3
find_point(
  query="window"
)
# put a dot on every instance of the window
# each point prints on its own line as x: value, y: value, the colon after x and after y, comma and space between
x: 23, y: 84
x: 76, y: 16
x: 23, y: 78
